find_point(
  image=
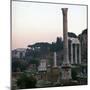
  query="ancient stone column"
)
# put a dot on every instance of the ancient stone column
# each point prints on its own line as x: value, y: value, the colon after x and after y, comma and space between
x: 75, y: 53
x: 79, y: 54
x: 55, y: 60
x: 71, y: 53
x: 66, y: 68
x: 65, y: 35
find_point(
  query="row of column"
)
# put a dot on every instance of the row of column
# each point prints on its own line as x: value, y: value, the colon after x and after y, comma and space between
x: 55, y: 59
x: 76, y: 59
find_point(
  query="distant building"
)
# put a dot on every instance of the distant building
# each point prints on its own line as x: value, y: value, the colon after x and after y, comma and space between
x: 19, y: 53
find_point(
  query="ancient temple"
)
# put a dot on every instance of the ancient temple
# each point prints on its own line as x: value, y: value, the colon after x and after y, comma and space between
x: 74, y: 50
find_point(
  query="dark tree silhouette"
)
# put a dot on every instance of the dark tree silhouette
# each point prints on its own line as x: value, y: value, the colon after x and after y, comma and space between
x: 25, y: 82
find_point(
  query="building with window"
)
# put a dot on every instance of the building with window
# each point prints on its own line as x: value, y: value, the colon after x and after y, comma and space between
x: 19, y: 53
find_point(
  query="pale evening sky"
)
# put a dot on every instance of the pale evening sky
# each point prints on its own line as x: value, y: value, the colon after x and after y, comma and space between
x: 41, y: 22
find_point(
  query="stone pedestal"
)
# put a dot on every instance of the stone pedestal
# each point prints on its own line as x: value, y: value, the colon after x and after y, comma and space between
x: 66, y: 72
x: 53, y: 74
x: 43, y: 75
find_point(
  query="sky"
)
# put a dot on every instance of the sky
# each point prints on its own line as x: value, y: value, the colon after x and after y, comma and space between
x: 41, y: 22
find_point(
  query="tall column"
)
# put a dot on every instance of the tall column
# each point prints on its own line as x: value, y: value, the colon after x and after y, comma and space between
x: 76, y: 54
x: 55, y: 62
x: 65, y: 35
x: 71, y: 53
x: 66, y: 68
x: 79, y: 54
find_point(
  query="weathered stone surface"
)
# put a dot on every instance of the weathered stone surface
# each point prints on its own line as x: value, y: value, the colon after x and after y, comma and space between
x: 66, y: 72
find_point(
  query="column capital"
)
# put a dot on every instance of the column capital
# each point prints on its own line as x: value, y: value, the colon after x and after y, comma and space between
x: 64, y: 10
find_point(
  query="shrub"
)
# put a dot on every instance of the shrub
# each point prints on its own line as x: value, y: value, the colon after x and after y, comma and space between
x: 26, y: 82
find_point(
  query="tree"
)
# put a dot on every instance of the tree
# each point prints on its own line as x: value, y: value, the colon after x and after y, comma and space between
x: 35, y: 61
x: 74, y: 74
x: 25, y: 82
x: 19, y: 64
